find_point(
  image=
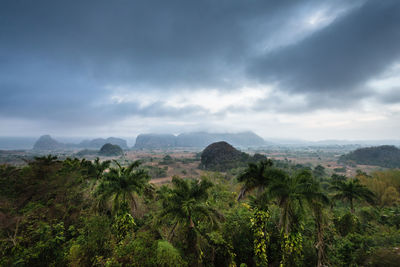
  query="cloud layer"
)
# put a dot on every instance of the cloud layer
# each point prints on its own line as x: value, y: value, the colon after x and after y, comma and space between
x: 122, y: 67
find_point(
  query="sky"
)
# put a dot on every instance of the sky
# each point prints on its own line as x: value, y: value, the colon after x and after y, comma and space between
x: 310, y: 70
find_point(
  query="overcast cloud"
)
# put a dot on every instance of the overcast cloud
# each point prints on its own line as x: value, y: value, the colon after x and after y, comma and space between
x: 295, y: 69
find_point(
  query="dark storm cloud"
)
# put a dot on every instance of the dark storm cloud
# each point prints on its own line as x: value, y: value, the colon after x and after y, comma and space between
x: 57, y: 58
x: 169, y: 42
x: 392, y: 96
x: 332, y: 65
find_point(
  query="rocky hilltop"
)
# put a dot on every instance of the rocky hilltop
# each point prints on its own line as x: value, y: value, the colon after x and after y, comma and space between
x: 221, y: 156
x: 383, y: 156
x: 197, y: 139
x: 110, y: 150
x: 46, y: 142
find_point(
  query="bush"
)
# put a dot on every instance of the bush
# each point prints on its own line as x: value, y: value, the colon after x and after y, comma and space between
x: 388, y: 257
x: 139, y: 251
x: 167, y: 255
x: 94, y: 240
x: 346, y: 224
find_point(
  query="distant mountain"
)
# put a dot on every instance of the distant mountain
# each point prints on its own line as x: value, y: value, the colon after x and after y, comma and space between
x: 154, y: 141
x: 12, y: 143
x: 197, y: 139
x: 221, y: 156
x: 358, y: 143
x: 245, y: 139
x: 99, y: 142
x: 202, y: 139
x: 45, y: 142
x: 384, y: 156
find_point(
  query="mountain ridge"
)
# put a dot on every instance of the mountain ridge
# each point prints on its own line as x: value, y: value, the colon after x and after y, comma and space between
x: 46, y: 142
x: 197, y: 140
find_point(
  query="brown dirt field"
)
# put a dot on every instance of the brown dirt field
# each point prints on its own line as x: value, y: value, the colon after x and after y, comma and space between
x: 161, y: 180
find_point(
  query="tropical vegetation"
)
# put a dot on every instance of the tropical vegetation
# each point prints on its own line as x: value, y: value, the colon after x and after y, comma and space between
x: 77, y: 212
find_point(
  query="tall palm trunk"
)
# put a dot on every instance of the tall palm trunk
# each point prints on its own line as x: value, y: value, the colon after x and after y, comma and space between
x: 284, y: 218
x: 192, y: 249
x: 320, y: 236
x: 320, y: 247
x: 351, y: 206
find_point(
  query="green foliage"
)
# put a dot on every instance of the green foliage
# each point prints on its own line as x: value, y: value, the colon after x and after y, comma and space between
x: 46, y: 242
x: 390, y: 216
x: 94, y: 240
x: 292, y: 248
x: 388, y: 257
x: 384, y: 184
x: 346, y: 224
x: 48, y: 217
x: 218, y: 252
x: 237, y: 222
x: 9, y: 180
x: 350, y: 250
x: 138, y: 251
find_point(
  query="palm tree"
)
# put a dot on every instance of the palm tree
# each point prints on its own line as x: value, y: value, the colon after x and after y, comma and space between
x: 288, y: 191
x: 46, y: 160
x: 256, y: 176
x: 93, y: 170
x: 317, y: 200
x: 185, y: 204
x: 291, y: 193
x: 44, y: 166
x: 352, y: 190
x: 100, y: 167
x: 122, y: 184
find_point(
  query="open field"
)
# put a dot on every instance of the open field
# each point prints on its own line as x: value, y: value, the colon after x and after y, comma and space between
x: 164, y: 164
